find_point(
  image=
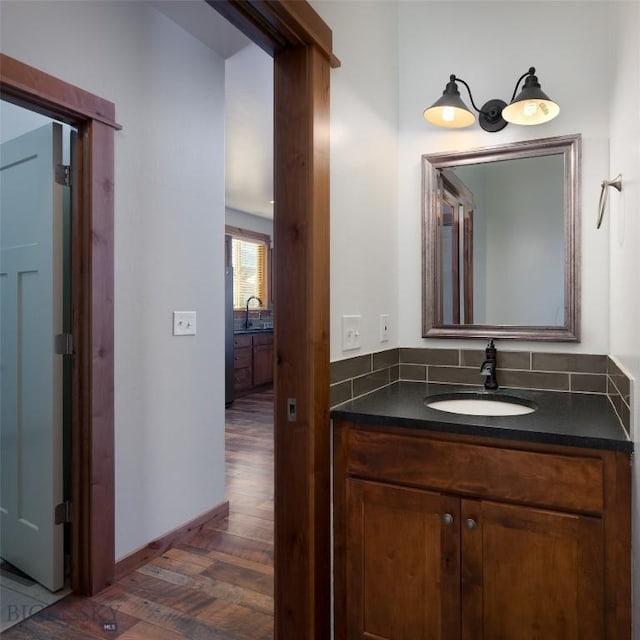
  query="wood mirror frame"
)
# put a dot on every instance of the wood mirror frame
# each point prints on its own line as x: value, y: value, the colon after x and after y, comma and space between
x: 432, y: 164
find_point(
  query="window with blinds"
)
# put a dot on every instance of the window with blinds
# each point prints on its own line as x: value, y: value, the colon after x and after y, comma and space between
x: 249, y: 262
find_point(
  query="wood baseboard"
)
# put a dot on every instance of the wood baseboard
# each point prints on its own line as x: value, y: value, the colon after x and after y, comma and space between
x: 156, y: 548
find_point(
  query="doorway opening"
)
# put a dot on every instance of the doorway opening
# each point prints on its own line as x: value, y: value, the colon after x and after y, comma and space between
x: 35, y: 425
x: 92, y: 508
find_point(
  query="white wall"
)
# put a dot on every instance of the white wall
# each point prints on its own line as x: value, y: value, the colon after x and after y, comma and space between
x: 249, y: 131
x: 490, y: 45
x: 169, y: 224
x: 248, y: 221
x: 623, y: 220
x: 364, y: 210
x: 404, y: 52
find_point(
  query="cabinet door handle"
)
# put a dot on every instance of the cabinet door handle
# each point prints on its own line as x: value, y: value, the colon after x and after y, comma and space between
x: 447, y: 518
x: 471, y: 523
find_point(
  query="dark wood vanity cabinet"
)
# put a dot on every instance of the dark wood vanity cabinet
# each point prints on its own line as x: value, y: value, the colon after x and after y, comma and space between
x: 252, y: 361
x: 401, y: 565
x: 450, y: 537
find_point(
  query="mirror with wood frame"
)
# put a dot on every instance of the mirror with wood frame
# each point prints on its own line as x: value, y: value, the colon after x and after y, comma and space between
x: 501, y: 241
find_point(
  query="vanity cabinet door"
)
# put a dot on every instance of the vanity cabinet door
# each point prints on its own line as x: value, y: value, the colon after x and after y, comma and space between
x: 530, y: 573
x: 402, y: 563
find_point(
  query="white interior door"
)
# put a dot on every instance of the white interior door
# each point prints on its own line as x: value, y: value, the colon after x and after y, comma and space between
x: 31, y: 372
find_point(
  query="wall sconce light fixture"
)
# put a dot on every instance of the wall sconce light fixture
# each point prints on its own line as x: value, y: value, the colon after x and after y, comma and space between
x: 530, y: 106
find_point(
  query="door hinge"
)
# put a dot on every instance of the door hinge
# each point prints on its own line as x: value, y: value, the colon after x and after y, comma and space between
x: 63, y: 174
x: 64, y: 344
x: 63, y: 512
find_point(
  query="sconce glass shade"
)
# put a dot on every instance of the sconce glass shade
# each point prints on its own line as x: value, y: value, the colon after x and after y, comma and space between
x: 449, y: 110
x: 531, y: 105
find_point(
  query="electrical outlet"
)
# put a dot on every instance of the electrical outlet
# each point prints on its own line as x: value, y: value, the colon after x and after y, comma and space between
x: 351, y: 332
x: 384, y: 327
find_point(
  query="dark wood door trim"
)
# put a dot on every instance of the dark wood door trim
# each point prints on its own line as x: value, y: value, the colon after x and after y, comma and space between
x: 39, y: 91
x: 94, y: 438
x: 92, y: 527
x: 277, y: 25
x: 300, y: 43
x: 301, y: 226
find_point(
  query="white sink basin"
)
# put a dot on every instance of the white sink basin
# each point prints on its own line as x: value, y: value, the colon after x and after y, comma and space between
x: 480, y: 405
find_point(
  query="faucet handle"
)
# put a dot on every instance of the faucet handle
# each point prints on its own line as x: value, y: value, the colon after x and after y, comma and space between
x: 491, y: 351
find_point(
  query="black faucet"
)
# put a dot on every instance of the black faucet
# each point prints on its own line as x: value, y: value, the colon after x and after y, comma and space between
x: 247, y: 324
x: 488, y: 367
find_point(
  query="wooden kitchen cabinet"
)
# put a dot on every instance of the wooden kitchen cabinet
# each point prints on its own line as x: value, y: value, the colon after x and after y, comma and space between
x: 445, y: 537
x: 262, y: 359
x: 252, y: 361
x: 242, y: 363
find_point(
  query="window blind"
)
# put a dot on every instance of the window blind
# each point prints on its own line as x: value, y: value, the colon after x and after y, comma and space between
x: 248, y: 259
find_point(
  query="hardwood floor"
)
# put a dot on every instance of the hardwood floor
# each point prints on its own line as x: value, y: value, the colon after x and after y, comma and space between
x: 217, y: 585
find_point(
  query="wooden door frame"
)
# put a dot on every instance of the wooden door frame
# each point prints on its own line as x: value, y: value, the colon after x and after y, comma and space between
x: 301, y: 45
x: 92, y: 434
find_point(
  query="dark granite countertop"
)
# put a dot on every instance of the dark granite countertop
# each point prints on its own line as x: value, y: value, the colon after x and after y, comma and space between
x: 238, y: 332
x: 573, y: 419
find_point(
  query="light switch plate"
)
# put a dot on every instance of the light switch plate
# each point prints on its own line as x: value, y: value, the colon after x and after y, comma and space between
x: 351, y: 332
x: 184, y: 323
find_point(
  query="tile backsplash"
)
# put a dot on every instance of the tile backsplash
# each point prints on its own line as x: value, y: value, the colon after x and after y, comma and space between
x: 584, y: 373
x: 258, y: 319
x: 356, y: 376
x: 619, y: 392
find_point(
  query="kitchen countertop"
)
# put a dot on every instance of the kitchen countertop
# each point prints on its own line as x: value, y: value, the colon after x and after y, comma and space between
x: 573, y: 419
x: 251, y: 331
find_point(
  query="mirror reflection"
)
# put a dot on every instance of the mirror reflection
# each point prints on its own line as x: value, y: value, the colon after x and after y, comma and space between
x: 500, y: 242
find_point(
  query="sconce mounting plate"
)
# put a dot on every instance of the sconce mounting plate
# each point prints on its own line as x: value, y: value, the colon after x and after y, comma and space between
x: 490, y: 117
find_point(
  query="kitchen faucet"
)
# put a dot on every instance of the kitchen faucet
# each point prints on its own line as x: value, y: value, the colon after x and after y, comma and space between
x: 488, y: 367
x: 247, y: 324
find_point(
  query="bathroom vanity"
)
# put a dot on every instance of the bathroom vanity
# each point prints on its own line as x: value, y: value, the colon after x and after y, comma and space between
x: 452, y: 526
